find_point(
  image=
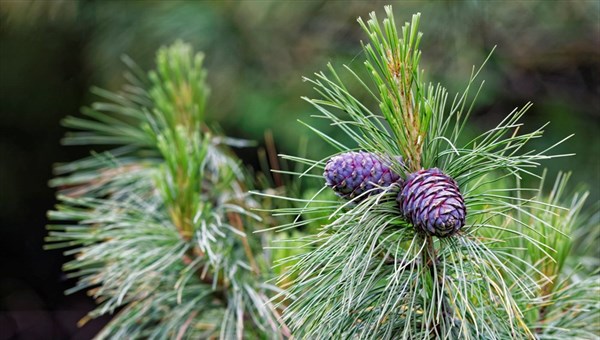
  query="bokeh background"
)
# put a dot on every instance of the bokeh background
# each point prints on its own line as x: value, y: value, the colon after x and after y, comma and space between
x: 51, y: 52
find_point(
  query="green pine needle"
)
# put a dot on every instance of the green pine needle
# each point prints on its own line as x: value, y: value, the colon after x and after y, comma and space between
x: 160, y: 226
x: 365, y: 272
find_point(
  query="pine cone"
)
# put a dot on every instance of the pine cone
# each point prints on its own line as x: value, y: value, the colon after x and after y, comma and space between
x: 432, y: 202
x: 352, y: 173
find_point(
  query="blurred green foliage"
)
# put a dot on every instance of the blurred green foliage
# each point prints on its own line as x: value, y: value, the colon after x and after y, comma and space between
x: 257, y: 52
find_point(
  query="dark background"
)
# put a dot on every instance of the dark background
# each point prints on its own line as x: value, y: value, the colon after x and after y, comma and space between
x: 51, y: 52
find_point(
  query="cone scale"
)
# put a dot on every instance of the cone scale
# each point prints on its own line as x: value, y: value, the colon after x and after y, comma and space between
x: 352, y: 174
x: 431, y: 201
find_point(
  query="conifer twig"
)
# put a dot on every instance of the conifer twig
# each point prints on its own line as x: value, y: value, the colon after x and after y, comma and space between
x: 157, y: 221
x: 237, y: 223
x: 470, y: 282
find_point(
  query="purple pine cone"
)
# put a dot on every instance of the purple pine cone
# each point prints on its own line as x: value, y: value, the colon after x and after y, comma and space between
x: 352, y: 173
x: 432, y: 202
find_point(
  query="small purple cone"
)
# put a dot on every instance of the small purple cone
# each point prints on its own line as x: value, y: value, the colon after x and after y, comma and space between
x: 432, y: 202
x: 351, y: 174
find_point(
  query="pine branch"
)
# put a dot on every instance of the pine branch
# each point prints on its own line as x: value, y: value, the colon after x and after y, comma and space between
x: 161, y: 226
x: 546, y: 308
x: 372, y: 270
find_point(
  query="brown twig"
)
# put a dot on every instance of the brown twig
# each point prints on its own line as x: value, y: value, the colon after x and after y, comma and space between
x: 273, y: 161
x: 236, y: 221
x: 186, y: 325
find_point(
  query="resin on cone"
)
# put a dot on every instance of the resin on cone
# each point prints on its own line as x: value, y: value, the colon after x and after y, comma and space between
x: 351, y: 174
x: 431, y: 201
